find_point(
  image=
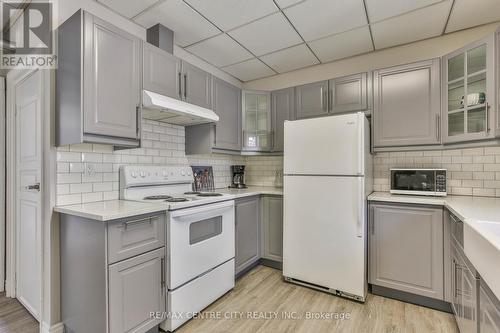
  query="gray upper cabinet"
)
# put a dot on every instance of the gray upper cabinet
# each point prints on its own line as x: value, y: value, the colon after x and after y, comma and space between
x: 469, y: 96
x: 136, y: 289
x: 497, y: 107
x: 282, y: 109
x: 196, y: 86
x: 311, y: 100
x: 162, y: 72
x: 272, y: 228
x: 227, y: 105
x: 489, y: 310
x: 407, y: 105
x: 98, y: 92
x: 349, y: 93
x: 406, y: 249
x: 247, y: 232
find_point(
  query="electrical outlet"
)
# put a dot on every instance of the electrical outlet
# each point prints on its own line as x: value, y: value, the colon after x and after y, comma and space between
x: 89, y: 169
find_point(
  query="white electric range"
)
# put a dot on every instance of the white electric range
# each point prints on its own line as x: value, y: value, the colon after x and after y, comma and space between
x: 200, y: 237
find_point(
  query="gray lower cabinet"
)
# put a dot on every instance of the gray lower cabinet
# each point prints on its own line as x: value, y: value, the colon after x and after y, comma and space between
x: 98, y: 93
x: 196, y: 86
x: 489, y: 310
x: 311, y: 100
x: 349, y: 93
x: 136, y: 288
x: 112, y: 273
x: 406, y: 249
x: 247, y: 232
x: 407, y: 105
x: 282, y: 109
x: 161, y: 72
x: 225, y: 135
x: 272, y: 228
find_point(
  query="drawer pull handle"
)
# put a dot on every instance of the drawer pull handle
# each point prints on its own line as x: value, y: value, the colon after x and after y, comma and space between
x: 127, y: 224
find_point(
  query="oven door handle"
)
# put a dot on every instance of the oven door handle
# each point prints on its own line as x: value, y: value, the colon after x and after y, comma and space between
x: 207, y: 209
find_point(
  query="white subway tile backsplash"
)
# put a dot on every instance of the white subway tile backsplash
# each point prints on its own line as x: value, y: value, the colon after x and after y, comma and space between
x: 80, y: 188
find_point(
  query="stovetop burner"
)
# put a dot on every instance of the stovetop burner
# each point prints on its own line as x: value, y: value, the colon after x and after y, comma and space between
x: 158, y: 197
x: 192, y: 193
x: 209, y: 194
x: 176, y: 200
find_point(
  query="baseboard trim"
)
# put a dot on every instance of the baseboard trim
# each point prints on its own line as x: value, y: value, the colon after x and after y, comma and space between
x: 271, y: 263
x: 56, y: 328
x: 411, y: 298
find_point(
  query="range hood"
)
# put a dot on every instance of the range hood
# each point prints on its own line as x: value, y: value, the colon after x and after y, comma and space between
x: 170, y: 110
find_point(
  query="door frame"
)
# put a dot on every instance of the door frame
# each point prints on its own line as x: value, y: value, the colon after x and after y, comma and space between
x: 49, y: 224
x: 2, y: 184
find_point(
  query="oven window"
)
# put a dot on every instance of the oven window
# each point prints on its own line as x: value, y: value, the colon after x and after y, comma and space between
x: 205, y: 229
x: 411, y: 180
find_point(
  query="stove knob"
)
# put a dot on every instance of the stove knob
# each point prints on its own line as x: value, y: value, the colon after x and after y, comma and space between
x: 183, y: 172
x: 143, y: 174
x: 189, y: 173
x: 133, y: 174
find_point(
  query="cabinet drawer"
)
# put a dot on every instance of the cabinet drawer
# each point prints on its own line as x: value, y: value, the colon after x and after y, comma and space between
x: 130, y: 237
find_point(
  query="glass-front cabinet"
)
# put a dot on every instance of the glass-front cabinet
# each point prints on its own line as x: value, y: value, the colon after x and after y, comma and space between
x: 257, y: 128
x: 469, y: 99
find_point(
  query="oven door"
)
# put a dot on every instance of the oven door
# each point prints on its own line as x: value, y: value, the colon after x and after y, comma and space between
x: 199, y: 239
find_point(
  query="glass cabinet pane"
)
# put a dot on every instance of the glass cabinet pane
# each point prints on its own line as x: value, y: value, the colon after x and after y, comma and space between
x: 476, y: 89
x: 456, y: 67
x: 476, y: 59
x: 476, y: 120
x: 456, y: 123
x: 456, y: 93
x: 257, y: 126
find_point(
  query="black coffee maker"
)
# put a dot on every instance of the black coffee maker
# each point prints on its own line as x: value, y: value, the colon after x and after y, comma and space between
x: 238, y: 180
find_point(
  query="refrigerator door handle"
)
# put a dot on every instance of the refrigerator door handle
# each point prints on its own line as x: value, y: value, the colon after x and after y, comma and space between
x: 361, y: 141
x: 361, y: 208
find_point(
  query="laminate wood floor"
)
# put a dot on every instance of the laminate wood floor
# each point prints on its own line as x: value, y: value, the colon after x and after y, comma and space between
x: 14, y: 318
x: 262, y: 292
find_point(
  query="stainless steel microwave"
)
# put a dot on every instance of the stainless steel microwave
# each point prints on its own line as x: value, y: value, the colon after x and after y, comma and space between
x: 419, y: 181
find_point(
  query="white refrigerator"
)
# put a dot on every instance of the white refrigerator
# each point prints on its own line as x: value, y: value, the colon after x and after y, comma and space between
x: 327, y: 177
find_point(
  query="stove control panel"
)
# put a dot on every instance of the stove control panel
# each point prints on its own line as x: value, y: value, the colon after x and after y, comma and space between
x: 137, y: 175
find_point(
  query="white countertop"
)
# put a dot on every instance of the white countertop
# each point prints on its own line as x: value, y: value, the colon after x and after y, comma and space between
x: 109, y: 210
x: 252, y: 191
x: 116, y: 209
x: 481, y: 217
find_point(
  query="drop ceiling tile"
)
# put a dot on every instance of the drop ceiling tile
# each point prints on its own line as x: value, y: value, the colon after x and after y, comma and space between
x: 287, y: 3
x: 466, y: 13
x: 290, y: 59
x: 382, y: 9
x: 420, y: 24
x: 229, y: 14
x: 319, y: 18
x: 220, y: 51
x: 267, y: 34
x: 189, y: 27
x: 249, y: 70
x: 128, y: 8
x: 343, y: 45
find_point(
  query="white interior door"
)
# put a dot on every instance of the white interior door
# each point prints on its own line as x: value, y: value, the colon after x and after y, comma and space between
x: 325, y: 146
x: 28, y: 104
x: 324, y: 232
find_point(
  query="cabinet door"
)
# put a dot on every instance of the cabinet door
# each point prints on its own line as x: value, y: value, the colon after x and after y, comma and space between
x: 406, y: 249
x: 161, y: 72
x: 256, y: 120
x: 469, y: 97
x: 112, y: 79
x: 282, y: 109
x: 227, y: 105
x: 407, y: 105
x: 196, y: 86
x: 272, y: 228
x: 136, y: 288
x: 349, y: 93
x: 489, y: 311
x: 247, y: 233
x: 311, y: 100
x: 496, y: 108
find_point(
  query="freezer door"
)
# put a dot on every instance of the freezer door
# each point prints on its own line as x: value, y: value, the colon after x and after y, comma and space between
x: 324, y: 232
x: 326, y: 146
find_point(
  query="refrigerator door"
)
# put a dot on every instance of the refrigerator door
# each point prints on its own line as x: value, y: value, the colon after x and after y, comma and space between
x: 332, y: 145
x: 324, y: 232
